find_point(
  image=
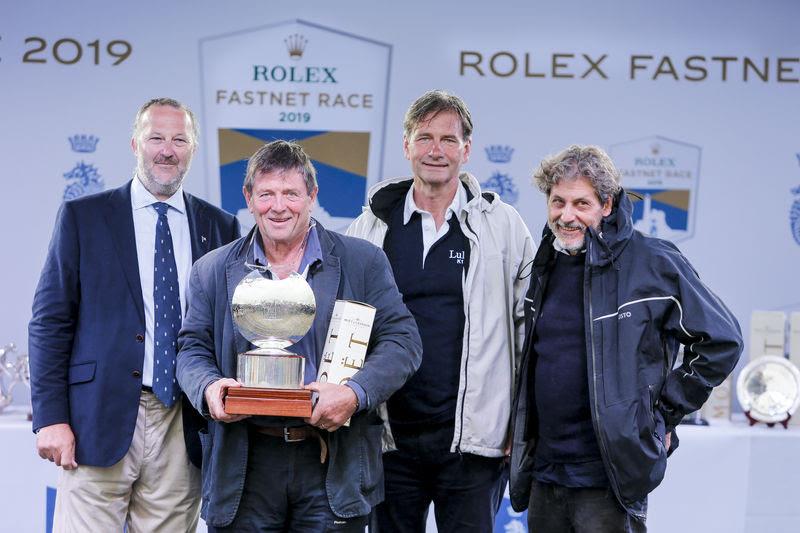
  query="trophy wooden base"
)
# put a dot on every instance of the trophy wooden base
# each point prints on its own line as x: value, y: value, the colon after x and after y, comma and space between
x: 268, y: 402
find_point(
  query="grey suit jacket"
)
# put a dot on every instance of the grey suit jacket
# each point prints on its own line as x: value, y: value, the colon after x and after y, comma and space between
x: 351, y: 269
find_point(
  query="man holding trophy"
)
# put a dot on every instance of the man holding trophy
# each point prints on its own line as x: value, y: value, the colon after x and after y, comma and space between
x: 301, y: 473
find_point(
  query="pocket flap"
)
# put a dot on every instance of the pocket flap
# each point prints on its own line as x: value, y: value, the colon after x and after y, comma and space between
x: 82, y: 372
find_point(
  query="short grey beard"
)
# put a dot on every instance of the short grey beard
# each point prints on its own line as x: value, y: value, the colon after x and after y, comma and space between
x: 571, y: 249
x: 159, y: 189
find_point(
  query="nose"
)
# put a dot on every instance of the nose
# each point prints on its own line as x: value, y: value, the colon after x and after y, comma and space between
x: 278, y: 203
x: 167, y: 149
x: 436, y: 148
x: 567, y: 214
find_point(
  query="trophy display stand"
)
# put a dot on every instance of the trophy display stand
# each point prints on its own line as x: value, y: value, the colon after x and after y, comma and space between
x: 269, y: 313
x: 753, y: 421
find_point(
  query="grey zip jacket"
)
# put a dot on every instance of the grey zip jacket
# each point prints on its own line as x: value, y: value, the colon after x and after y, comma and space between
x: 501, y: 251
x: 642, y: 299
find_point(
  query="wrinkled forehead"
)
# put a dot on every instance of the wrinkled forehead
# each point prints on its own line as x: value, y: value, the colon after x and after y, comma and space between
x: 573, y: 185
x: 159, y: 116
x: 441, y: 119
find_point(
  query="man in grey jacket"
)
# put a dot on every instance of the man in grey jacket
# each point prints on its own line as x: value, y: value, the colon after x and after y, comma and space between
x: 459, y: 257
x: 276, y: 474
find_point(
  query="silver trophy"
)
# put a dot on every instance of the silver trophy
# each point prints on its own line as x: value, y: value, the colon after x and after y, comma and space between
x: 11, y: 373
x: 272, y: 314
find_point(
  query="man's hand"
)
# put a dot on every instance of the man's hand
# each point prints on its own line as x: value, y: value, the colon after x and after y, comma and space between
x: 215, y: 393
x: 667, y: 439
x: 57, y: 443
x: 335, y: 406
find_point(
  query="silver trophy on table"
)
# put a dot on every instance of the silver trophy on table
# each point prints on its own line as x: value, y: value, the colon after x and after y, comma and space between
x: 11, y: 373
x: 272, y: 314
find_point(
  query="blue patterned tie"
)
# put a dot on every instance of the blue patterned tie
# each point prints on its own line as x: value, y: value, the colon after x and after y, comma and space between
x: 167, y: 302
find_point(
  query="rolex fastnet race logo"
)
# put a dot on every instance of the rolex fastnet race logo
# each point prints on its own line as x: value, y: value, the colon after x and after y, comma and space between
x: 794, y: 212
x: 296, y: 81
x: 664, y: 174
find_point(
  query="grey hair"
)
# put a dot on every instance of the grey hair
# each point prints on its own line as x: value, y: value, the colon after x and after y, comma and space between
x: 280, y: 155
x: 591, y: 162
x: 431, y: 104
x: 171, y: 102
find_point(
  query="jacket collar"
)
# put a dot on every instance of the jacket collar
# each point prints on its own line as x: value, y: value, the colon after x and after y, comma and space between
x: 384, y: 196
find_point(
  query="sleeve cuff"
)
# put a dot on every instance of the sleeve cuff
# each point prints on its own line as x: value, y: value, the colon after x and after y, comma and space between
x: 361, y: 395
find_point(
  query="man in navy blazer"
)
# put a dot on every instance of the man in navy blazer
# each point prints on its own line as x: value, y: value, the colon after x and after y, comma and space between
x: 277, y: 474
x: 125, y: 451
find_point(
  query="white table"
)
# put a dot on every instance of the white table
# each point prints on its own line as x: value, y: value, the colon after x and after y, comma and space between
x: 727, y: 477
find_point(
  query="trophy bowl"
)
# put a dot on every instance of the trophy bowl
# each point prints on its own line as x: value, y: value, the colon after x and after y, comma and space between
x: 272, y: 314
x: 768, y: 389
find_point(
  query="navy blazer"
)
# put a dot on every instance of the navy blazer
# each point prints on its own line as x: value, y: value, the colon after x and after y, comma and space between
x: 86, y: 336
x: 209, y: 342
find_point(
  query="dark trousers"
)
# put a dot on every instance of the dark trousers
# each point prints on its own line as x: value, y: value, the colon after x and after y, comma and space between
x: 284, y: 490
x: 557, y: 509
x: 465, y: 489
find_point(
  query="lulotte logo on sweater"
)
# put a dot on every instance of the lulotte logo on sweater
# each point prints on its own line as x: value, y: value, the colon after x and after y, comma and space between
x: 664, y: 173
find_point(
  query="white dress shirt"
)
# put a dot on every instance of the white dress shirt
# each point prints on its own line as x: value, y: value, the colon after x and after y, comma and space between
x: 429, y: 232
x: 144, y: 225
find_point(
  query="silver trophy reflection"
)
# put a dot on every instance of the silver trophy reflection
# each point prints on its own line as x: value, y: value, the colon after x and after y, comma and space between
x: 12, y: 373
x: 272, y: 314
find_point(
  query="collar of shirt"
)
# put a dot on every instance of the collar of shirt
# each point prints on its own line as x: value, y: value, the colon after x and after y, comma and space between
x: 312, y: 254
x: 141, y: 197
x: 410, y: 207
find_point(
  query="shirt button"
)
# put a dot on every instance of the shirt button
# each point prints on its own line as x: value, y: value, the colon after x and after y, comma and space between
x: 139, y: 337
x: 136, y: 374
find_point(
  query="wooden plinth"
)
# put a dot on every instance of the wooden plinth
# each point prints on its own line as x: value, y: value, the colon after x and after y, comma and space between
x: 268, y: 402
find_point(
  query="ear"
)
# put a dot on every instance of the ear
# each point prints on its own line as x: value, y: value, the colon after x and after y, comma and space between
x: 313, y: 194
x: 467, y: 150
x: 406, y: 148
x: 247, y: 198
x: 134, y: 146
x: 607, y: 206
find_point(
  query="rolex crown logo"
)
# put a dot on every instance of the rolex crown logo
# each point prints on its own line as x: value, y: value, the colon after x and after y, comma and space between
x: 296, y: 45
x: 83, y: 143
x: 498, y: 153
x: 655, y: 148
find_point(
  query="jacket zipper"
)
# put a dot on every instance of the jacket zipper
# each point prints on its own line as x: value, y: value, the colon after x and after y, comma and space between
x: 595, y: 404
x: 466, y: 342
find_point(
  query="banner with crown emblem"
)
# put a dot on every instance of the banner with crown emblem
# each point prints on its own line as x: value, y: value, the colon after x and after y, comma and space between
x: 296, y: 81
x: 663, y: 174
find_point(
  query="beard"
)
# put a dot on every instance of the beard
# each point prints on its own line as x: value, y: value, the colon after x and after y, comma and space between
x: 574, y: 246
x: 159, y: 186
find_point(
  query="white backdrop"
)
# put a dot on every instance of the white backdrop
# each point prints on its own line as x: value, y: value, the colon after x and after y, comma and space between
x: 740, y: 167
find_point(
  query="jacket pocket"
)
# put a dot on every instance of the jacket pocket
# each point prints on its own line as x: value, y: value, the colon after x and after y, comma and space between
x: 635, y: 433
x: 81, y: 373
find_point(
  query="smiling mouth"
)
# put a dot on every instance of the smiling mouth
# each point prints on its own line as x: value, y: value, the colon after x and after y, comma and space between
x: 570, y: 231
